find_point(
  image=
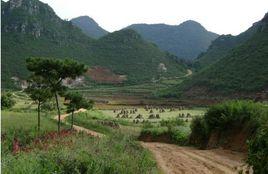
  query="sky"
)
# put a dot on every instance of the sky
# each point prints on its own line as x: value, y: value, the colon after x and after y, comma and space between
x: 219, y: 16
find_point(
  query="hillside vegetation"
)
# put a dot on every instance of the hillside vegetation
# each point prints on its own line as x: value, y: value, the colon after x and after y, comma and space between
x: 186, y: 40
x: 236, y: 125
x: 32, y: 29
x: 89, y: 26
x: 221, y: 46
x: 243, y: 71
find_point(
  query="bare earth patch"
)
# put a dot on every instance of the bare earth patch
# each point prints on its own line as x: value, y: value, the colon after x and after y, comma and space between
x: 105, y: 75
x: 173, y: 159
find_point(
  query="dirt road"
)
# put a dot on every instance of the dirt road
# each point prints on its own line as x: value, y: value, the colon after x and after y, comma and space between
x: 173, y: 159
x: 79, y: 128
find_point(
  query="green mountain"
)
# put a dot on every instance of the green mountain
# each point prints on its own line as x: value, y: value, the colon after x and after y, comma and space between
x: 186, y: 40
x: 89, y: 26
x: 243, y: 72
x: 31, y: 28
x: 222, y: 45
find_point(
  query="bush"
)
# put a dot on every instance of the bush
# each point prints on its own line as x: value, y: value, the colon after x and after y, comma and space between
x: 199, y: 132
x: 258, y: 150
x: 179, y: 135
x: 172, y: 131
x: 232, y: 115
x: 7, y: 101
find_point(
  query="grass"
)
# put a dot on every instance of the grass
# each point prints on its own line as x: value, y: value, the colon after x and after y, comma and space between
x: 164, y: 116
x: 82, y: 154
x: 92, y: 120
x: 25, y: 121
x: 170, y: 131
x: 23, y: 126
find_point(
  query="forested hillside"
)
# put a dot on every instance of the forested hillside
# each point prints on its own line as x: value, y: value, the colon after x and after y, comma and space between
x: 31, y: 28
x: 243, y: 71
x: 222, y: 45
x: 89, y: 26
x: 186, y: 40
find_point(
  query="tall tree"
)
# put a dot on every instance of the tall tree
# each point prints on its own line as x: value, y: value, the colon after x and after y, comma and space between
x: 38, y: 92
x: 75, y: 101
x: 53, y: 71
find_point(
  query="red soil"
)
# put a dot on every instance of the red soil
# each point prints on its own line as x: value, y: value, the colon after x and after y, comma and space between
x: 105, y: 75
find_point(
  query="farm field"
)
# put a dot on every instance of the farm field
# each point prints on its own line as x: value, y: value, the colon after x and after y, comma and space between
x: 168, y: 113
x: 120, y: 126
x: 75, y: 151
x: 137, y: 91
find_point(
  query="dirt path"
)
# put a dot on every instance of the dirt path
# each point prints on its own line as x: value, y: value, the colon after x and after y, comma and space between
x: 189, y: 72
x: 63, y: 116
x: 79, y: 128
x: 173, y: 159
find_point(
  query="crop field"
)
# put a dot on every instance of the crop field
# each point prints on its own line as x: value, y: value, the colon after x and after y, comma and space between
x: 122, y: 126
x: 168, y: 113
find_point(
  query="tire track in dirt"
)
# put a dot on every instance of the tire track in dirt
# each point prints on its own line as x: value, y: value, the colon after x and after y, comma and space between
x: 173, y: 159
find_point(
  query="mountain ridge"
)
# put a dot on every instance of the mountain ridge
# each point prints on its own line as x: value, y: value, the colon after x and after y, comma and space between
x: 186, y: 40
x: 89, y: 26
x: 222, y: 45
x: 241, y: 72
x: 31, y: 29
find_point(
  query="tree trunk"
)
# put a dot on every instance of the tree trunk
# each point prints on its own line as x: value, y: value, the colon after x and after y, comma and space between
x: 72, y: 119
x: 58, y: 108
x: 38, y: 123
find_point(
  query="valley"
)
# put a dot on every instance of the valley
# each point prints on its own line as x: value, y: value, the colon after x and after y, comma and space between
x: 147, y: 98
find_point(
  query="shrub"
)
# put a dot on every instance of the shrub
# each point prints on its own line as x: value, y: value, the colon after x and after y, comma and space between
x: 258, y: 149
x: 179, y: 135
x: 199, y: 132
x: 7, y: 101
x: 233, y: 115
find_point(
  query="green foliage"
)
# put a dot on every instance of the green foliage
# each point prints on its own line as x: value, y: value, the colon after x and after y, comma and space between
x: 76, y: 101
x: 234, y: 115
x: 38, y: 91
x: 53, y: 71
x: 22, y: 126
x: 229, y: 115
x: 243, y: 70
x: 199, y: 132
x: 7, y: 101
x: 118, y: 51
x: 180, y: 135
x: 173, y: 129
x: 172, y: 122
x: 111, y: 155
x: 258, y: 146
x: 89, y: 27
x: 92, y: 120
x: 23, y: 136
x: 221, y: 46
x: 186, y: 40
x: 258, y: 150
